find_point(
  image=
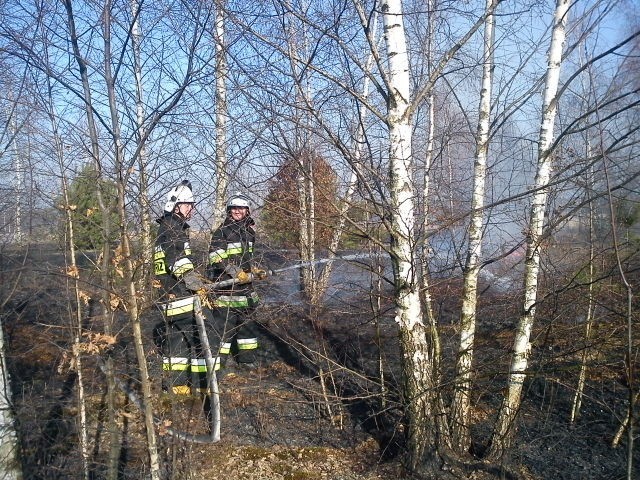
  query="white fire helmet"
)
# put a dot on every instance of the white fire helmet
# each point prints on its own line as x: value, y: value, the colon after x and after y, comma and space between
x: 180, y: 194
x: 238, y: 200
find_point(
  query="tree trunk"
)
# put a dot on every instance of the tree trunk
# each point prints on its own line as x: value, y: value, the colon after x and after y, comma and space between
x: 416, y: 360
x: 130, y: 296
x: 222, y: 175
x: 82, y: 405
x: 428, y: 161
x: 303, y: 154
x: 307, y: 220
x: 141, y: 135
x: 505, y: 428
x: 461, y: 404
x: 18, y: 186
x: 631, y: 350
x: 588, y: 322
x: 9, y: 447
x: 95, y: 156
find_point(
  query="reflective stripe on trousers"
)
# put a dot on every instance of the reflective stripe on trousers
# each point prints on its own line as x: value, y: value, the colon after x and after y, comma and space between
x: 247, y: 343
x: 236, y: 301
x: 182, y: 364
x: 225, y: 348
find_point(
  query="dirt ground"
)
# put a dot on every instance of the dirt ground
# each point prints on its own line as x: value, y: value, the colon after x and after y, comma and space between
x: 280, y: 421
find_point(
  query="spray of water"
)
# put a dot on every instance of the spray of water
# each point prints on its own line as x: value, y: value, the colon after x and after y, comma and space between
x: 347, y: 258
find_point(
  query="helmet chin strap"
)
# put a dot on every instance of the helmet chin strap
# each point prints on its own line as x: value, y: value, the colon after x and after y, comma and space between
x: 177, y: 211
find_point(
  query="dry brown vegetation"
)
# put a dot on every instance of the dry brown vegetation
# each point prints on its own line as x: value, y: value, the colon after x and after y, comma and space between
x: 276, y: 421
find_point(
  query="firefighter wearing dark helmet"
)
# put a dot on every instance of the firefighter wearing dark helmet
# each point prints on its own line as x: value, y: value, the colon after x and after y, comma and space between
x: 231, y: 257
x: 183, y: 360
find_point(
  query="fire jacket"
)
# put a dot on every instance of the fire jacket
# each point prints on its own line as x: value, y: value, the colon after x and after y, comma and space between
x: 231, y: 248
x: 171, y: 261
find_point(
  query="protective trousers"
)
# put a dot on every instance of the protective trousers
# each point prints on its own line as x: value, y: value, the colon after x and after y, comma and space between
x: 183, y: 357
x: 239, y: 333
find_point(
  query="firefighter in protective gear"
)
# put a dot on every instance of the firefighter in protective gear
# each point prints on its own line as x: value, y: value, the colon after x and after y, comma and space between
x: 231, y: 257
x: 183, y: 359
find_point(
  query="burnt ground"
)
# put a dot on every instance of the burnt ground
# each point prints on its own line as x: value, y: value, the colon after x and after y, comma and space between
x: 280, y: 422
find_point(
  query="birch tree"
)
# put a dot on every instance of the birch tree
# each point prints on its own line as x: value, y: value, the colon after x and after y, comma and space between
x: 298, y: 56
x: 10, y: 459
x: 392, y: 79
x: 18, y: 181
x: 9, y: 446
x: 222, y: 113
x: 462, y: 395
x: 505, y: 426
x: 428, y: 164
x: 417, y: 366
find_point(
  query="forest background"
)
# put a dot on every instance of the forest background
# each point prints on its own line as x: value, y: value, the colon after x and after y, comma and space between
x: 482, y: 156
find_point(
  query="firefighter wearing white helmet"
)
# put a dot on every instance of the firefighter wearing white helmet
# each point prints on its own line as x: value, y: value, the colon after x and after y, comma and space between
x: 231, y: 256
x: 179, y: 194
x: 238, y: 200
x: 176, y: 335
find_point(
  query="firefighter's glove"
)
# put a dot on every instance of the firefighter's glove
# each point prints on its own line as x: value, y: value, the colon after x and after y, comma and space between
x: 243, y: 277
x: 193, y: 281
x: 259, y: 273
x: 237, y: 273
x: 203, y: 294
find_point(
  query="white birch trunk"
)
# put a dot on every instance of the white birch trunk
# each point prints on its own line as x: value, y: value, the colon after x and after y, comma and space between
x: 212, y: 379
x: 77, y: 352
x: 222, y: 176
x: 82, y: 406
x: 298, y: 48
x: 307, y: 254
x: 428, y: 158
x: 308, y: 193
x: 417, y: 367
x: 428, y: 161
x: 18, y: 180
x: 461, y: 403
x: 310, y: 221
x: 431, y: 100
x: 505, y: 426
x: 9, y: 446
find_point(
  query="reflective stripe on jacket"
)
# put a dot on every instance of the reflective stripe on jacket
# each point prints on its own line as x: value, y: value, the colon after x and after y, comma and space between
x: 172, y: 254
x: 178, y: 307
x: 231, y: 249
x: 236, y: 301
